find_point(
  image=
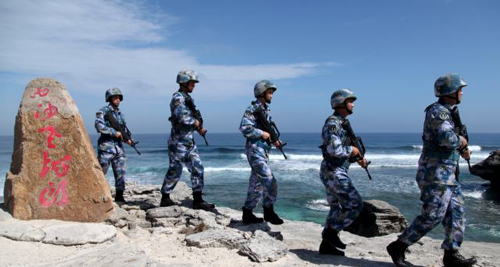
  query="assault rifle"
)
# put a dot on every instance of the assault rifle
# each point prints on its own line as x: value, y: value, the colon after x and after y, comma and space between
x: 196, y: 114
x: 270, y: 127
x: 461, y: 130
x: 358, y: 143
x: 122, y: 129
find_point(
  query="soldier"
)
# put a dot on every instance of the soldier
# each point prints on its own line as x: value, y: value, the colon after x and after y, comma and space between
x: 437, y: 178
x: 110, y: 145
x: 344, y: 200
x: 181, y: 145
x: 262, y: 180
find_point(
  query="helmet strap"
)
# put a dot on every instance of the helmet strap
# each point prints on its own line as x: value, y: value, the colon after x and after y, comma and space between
x: 343, y: 106
x: 453, y: 96
x: 184, y: 88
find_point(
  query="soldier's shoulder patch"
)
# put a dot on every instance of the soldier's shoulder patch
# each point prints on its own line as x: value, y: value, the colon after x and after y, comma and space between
x: 177, y: 101
x: 248, y: 113
x: 443, y: 115
x: 333, y: 127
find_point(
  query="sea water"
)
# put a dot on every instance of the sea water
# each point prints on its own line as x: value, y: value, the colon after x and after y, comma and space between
x: 301, y: 195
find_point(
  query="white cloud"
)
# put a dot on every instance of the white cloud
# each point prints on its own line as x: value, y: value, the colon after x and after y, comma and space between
x: 93, y: 45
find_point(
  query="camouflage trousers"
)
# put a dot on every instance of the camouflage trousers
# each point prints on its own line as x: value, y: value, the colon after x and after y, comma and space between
x: 118, y: 163
x: 442, y: 203
x: 179, y: 154
x: 262, y: 181
x: 344, y: 200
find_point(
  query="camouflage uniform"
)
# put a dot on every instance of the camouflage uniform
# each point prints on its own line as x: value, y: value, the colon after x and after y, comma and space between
x: 441, y: 193
x: 110, y: 148
x: 345, y: 202
x: 262, y: 180
x: 181, y: 146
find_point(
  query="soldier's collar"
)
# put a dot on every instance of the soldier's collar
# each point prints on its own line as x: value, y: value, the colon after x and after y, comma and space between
x: 113, y: 108
x: 337, y: 114
x: 258, y: 102
x: 446, y: 105
x: 184, y: 94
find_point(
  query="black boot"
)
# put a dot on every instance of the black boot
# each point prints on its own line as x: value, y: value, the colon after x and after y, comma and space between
x: 199, y: 203
x: 166, y: 201
x: 271, y: 217
x: 332, y: 236
x: 249, y: 217
x: 327, y: 248
x: 119, y: 196
x: 452, y: 258
x: 397, y: 251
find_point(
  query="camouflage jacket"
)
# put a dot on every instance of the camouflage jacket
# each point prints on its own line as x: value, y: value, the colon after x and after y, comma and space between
x: 335, y: 151
x: 182, y: 120
x: 439, y: 137
x: 249, y: 127
x: 107, y: 141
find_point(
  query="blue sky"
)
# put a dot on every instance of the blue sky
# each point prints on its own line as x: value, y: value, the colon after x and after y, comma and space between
x: 388, y: 52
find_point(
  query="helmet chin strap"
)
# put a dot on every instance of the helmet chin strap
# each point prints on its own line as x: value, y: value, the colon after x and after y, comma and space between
x: 344, y: 107
x: 454, y: 97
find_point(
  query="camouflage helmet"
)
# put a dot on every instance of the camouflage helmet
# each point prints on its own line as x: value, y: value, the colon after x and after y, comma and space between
x: 185, y: 76
x: 339, y: 97
x: 262, y: 86
x: 112, y: 92
x: 448, y: 84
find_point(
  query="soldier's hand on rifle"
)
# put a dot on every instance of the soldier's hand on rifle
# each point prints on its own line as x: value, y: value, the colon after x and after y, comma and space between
x: 202, y: 131
x: 196, y: 124
x: 130, y: 142
x: 118, y: 135
x: 466, y: 154
x: 278, y: 144
x: 265, y: 135
x: 355, y: 151
x: 464, y: 142
x: 363, y: 163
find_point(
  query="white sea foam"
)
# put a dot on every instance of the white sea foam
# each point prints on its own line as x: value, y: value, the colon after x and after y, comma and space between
x: 318, y: 204
x: 223, y: 169
x: 474, y: 194
x: 313, y: 161
x: 471, y: 148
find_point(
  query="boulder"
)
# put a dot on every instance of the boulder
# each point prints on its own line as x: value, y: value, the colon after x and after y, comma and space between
x: 54, y: 172
x: 378, y: 218
x: 78, y: 234
x: 216, y: 239
x: 489, y: 169
x: 262, y: 247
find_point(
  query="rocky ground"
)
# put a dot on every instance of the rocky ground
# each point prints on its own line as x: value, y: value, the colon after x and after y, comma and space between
x: 141, y: 234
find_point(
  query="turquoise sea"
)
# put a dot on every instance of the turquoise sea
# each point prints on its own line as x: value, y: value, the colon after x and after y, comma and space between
x: 301, y: 194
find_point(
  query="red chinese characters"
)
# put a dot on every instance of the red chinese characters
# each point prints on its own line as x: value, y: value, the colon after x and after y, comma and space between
x: 50, y: 195
x: 59, y: 167
x: 52, y: 132
x: 48, y: 112
x: 41, y: 92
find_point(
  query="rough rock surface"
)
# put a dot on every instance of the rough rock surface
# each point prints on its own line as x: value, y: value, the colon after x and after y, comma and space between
x: 489, y: 169
x: 56, y: 232
x: 378, y: 218
x: 215, y: 239
x: 191, y: 243
x: 54, y: 172
x: 262, y: 247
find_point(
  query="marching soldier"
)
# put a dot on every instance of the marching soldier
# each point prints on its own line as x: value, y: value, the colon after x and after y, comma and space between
x: 437, y: 178
x: 262, y: 181
x: 181, y: 145
x: 110, y: 143
x: 343, y: 198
